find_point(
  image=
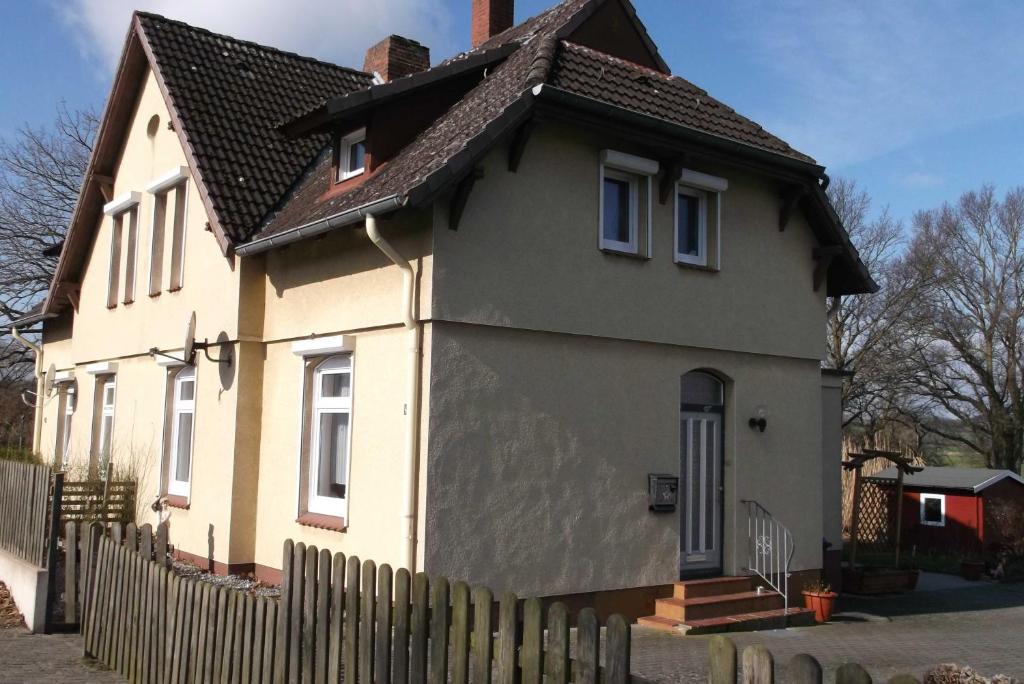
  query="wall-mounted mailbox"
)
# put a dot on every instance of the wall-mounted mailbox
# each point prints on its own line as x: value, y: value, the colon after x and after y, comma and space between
x: 662, y: 492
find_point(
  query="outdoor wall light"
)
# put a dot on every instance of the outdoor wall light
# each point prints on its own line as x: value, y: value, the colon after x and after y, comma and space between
x: 760, y: 419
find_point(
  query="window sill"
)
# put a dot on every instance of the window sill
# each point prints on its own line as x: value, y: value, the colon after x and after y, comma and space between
x: 697, y: 267
x: 320, y: 521
x: 177, y: 501
x: 629, y: 255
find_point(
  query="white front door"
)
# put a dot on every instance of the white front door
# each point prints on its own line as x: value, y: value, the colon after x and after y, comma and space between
x: 700, y: 489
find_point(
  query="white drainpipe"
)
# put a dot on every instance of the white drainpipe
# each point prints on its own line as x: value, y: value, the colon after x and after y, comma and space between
x: 410, y: 459
x: 37, y: 425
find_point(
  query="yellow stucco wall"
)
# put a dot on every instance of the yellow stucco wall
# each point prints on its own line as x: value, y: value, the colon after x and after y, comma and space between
x: 124, y: 334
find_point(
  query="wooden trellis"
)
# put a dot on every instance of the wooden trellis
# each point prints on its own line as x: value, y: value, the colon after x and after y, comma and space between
x: 856, y: 462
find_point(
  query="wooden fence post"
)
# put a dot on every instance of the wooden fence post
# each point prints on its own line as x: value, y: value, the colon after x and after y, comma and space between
x: 419, y: 629
x: 483, y: 646
x: 400, y: 637
x: 51, y: 551
x: 351, y: 648
x: 617, y: 651
x: 309, y: 615
x: 71, y: 572
x: 334, y: 664
x: 532, y: 655
x: 439, y: 632
x: 804, y: 669
x: 758, y: 665
x: 367, y: 612
x: 280, y: 668
x: 382, y: 644
x: 460, y: 633
x: 556, y: 656
x: 722, y: 660
x: 588, y: 647
x: 852, y: 673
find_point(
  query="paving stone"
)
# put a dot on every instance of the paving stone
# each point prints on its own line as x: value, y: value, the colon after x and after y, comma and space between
x: 27, y: 658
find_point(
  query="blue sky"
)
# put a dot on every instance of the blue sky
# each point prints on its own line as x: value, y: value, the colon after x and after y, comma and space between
x: 917, y: 100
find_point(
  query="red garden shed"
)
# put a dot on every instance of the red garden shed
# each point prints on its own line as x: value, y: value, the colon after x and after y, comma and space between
x: 951, y: 509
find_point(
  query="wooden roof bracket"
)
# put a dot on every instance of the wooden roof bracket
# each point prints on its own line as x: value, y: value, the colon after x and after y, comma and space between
x: 106, y: 186
x: 461, y: 196
x: 790, y: 198
x: 673, y: 169
x: 823, y: 256
x: 518, y: 145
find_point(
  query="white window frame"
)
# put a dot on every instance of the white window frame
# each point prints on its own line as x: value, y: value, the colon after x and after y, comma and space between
x: 633, y: 246
x: 942, y: 503
x: 319, y: 405
x: 106, y: 434
x: 702, y: 228
x: 345, y: 144
x: 67, y: 414
x: 118, y: 209
x: 634, y: 170
x: 179, y: 407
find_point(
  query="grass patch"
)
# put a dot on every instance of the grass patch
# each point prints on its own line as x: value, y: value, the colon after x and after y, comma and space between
x: 11, y: 453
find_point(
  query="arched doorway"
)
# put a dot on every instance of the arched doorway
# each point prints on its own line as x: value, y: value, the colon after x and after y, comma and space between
x: 702, y: 408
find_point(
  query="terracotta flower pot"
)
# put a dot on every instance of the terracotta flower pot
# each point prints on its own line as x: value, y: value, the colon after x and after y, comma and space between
x: 823, y: 603
x: 971, y: 570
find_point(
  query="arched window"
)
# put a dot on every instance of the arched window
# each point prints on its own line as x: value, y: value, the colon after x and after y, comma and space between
x: 702, y: 389
x: 329, y: 441
x: 183, y: 411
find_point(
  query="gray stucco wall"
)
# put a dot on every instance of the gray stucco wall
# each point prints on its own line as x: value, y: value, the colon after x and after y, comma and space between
x: 540, y: 445
x: 832, y: 456
x: 555, y: 369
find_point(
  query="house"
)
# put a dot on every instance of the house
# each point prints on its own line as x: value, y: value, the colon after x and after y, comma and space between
x: 951, y: 510
x: 452, y: 318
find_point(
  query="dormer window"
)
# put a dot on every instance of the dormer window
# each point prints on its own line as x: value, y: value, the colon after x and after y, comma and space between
x: 351, y: 154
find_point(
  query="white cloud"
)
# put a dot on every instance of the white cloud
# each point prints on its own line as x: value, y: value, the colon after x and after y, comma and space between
x: 337, y: 31
x: 855, y: 80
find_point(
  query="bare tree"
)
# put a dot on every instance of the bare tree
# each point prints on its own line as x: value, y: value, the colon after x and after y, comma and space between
x: 41, y: 171
x: 965, y: 337
x: 864, y: 332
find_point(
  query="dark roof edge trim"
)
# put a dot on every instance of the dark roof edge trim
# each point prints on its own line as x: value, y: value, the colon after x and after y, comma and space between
x: 564, y: 97
x: 31, y: 319
x: 345, y: 218
x: 360, y: 100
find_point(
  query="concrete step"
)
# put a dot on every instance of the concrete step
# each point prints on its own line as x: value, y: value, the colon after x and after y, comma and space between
x: 712, y: 586
x: 752, y: 622
x: 744, y: 622
x: 705, y: 607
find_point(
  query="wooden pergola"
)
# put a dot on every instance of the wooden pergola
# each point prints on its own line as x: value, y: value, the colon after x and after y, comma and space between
x: 856, y: 462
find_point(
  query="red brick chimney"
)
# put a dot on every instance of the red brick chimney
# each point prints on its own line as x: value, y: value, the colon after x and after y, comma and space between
x: 491, y: 17
x: 395, y: 57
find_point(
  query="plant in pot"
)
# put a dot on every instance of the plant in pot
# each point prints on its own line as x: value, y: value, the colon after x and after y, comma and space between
x: 971, y: 568
x: 820, y: 598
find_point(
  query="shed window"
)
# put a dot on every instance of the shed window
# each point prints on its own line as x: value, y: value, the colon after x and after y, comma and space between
x: 933, y: 510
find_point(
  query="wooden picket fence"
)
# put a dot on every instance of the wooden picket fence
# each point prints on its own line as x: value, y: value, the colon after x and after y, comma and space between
x: 759, y: 667
x: 337, y: 619
x: 24, y: 499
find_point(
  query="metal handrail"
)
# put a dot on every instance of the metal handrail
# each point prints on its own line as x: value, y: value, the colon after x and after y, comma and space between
x: 770, y: 548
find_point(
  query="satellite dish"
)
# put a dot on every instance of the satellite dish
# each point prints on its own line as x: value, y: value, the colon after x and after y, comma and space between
x: 189, y: 348
x: 48, y: 378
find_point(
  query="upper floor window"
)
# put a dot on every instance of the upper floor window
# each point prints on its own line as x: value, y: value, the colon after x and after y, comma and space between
x: 170, y: 204
x: 182, y: 422
x: 625, y: 214
x: 697, y: 218
x: 125, y: 219
x: 329, y: 441
x: 352, y: 154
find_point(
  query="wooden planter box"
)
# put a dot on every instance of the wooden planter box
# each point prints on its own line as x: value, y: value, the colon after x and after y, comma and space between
x: 878, y: 580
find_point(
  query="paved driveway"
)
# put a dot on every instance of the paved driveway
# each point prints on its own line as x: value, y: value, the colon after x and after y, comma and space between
x: 980, y: 625
x: 37, y: 658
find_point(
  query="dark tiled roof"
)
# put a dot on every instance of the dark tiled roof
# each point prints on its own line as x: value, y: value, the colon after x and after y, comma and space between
x: 433, y: 149
x: 539, y: 59
x: 583, y: 71
x: 230, y: 96
x: 941, y: 477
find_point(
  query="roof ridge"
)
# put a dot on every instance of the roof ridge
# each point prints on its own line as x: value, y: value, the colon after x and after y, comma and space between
x: 250, y: 43
x: 635, y: 65
x: 540, y: 68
